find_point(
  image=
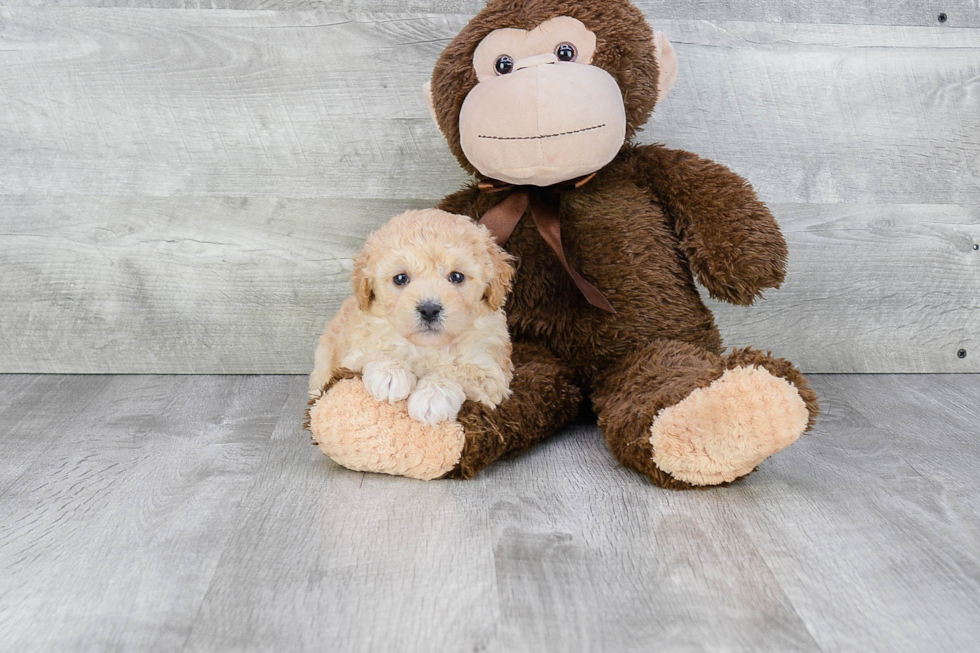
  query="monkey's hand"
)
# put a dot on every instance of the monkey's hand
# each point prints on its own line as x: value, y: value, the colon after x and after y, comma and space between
x: 730, y: 238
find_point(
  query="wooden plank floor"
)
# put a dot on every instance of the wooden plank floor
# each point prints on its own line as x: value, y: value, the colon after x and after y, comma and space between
x: 189, y: 513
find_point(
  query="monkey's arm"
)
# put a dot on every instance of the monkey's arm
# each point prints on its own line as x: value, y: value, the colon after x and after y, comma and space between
x: 730, y: 238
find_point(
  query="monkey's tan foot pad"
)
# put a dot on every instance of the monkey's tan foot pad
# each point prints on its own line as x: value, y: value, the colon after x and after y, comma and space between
x: 723, y: 431
x: 363, y: 434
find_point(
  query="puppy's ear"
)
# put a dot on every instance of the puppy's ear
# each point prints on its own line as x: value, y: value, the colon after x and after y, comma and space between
x: 502, y: 275
x: 361, y: 282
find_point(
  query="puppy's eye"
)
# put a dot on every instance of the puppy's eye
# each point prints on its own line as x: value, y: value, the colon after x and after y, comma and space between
x: 457, y: 277
x: 400, y: 279
x: 504, y: 64
x: 565, y: 52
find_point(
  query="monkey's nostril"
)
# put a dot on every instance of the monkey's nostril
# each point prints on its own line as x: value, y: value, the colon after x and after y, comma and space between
x: 429, y: 310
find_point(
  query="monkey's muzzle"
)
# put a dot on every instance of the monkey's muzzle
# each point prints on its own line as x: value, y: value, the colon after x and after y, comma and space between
x: 543, y: 124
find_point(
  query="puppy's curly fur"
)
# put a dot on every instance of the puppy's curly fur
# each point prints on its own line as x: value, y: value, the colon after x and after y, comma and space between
x: 426, y: 322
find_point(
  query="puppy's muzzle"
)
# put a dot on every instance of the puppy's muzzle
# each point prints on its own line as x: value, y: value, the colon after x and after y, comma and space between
x: 429, y: 311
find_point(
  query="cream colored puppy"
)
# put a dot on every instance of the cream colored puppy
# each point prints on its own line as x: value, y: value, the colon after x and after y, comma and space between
x: 426, y: 320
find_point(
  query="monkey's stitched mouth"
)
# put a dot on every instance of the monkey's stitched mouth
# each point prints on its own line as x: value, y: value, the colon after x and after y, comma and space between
x: 537, y: 138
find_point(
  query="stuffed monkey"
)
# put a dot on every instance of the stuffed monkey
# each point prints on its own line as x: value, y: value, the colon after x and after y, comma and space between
x: 540, y: 100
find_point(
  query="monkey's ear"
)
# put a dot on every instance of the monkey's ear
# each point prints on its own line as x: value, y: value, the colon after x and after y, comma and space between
x: 427, y: 91
x: 503, y: 275
x: 360, y: 281
x: 667, y: 61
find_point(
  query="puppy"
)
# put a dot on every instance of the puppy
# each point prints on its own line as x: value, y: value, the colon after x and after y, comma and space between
x: 426, y: 321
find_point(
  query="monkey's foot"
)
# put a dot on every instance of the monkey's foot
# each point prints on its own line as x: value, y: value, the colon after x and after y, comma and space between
x: 361, y: 433
x: 725, y: 430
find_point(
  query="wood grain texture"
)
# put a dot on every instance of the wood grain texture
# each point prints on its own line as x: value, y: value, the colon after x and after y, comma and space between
x: 181, y: 190
x: 175, y: 286
x: 318, y: 104
x: 201, y: 285
x: 191, y: 514
x: 118, y: 497
x: 887, y: 288
x: 959, y: 13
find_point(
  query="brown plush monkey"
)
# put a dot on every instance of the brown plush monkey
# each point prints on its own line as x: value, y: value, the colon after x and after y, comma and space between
x: 540, y: 99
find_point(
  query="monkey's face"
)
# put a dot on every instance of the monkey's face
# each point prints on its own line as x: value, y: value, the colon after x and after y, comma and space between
x: 541, y: 112
x: 529, y: 96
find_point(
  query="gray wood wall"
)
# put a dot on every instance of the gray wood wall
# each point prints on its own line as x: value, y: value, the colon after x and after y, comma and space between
x: 182, y: 183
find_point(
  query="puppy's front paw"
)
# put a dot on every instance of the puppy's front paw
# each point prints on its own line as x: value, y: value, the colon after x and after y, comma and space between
x: 435, y: 400
x: 388, y: 381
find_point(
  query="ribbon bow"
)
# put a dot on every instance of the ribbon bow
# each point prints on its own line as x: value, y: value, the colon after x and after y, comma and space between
x: 503, y: 218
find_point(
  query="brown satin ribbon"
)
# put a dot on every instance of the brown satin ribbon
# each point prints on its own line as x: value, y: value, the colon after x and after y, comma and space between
x: 503, y: 218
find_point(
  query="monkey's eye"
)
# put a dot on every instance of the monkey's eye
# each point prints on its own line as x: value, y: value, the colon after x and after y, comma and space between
x: 457, y: 277
x: 400, y: 279
x: 504, y: 65
x: 566, y: 52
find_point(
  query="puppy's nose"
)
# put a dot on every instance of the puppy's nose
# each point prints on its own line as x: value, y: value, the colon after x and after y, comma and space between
x: 429, y: 310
